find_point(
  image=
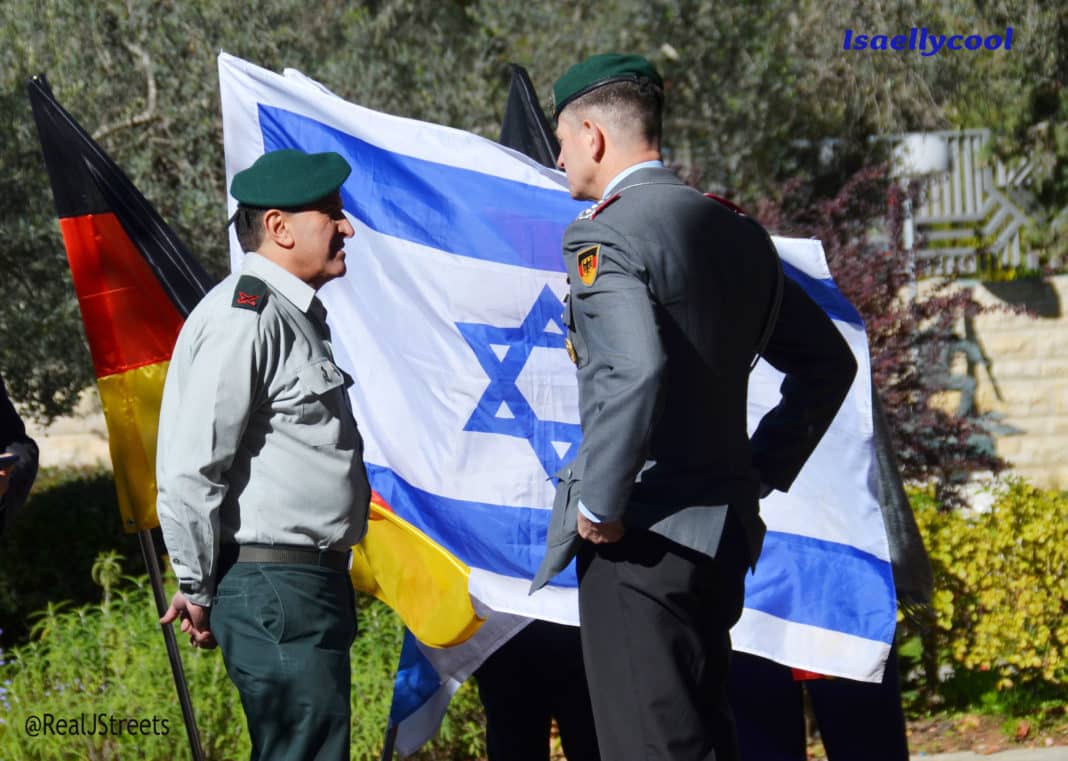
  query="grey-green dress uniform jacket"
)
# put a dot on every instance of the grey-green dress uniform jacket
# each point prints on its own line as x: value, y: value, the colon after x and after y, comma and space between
x: 669, y: 294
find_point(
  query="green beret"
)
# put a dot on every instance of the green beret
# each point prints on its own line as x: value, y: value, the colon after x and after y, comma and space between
x: 599, y: 70
x: 288, y: 178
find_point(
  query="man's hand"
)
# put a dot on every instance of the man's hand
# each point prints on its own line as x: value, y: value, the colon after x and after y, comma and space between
x: 5, y: 475
x: 194, y: 621
x: 606, y: 532
x: 5, y: 479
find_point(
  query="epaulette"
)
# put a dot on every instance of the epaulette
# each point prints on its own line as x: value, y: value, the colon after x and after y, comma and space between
x: 250, y: 293
x: 729, y: 204
x: 597, y: 208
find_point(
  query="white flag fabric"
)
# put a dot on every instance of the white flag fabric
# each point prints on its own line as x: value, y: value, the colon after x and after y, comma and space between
x: 449, y: 320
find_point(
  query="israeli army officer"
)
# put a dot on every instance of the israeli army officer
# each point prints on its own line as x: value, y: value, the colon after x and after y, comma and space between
x: 262, y: 486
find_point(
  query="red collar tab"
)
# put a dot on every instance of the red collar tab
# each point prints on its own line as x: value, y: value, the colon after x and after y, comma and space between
x: 730, y: 205
x: 604, y: 205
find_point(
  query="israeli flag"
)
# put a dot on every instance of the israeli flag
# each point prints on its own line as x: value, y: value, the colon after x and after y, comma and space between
x: 449, y: 320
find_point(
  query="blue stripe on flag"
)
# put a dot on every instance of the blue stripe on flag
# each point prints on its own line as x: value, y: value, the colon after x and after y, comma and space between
x: 416, y: 681
x: 845, y: 589
x: 826, y: 584
x: 498, y: 538
x: 444, y: 207
x: 826, y: 294
x: 461, y: 211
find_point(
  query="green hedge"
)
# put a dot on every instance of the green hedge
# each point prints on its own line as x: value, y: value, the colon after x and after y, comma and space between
x: 1000, y: 612
x: 109, y: 659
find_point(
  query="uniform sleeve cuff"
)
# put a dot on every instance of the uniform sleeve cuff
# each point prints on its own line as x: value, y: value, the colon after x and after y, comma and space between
x: 589, y: 515
x: 195, y: 594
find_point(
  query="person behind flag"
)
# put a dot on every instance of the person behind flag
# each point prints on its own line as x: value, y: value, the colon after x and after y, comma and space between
x: 262, y: 485
x: 531, y: 680
x: 672, y: 295
x: 855, y: 719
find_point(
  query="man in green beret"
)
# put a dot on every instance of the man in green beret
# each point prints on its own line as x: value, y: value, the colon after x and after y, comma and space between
x: 262, y: 486
x: 672, y: 297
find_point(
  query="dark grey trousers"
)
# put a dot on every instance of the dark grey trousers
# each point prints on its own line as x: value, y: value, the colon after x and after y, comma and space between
x: 656, y: 619
x: 285, y: 633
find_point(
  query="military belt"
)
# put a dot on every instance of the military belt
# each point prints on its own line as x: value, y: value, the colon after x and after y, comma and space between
x: 335, y: 560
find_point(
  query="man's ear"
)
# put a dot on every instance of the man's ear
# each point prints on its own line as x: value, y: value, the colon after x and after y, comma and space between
x: 595, y: 139
x: 276, y: 229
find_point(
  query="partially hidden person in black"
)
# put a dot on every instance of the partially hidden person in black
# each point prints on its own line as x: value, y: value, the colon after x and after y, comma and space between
x: 855, y: 719
x: 15, y: 478
x: 671, y: 297
x: 535, y: 677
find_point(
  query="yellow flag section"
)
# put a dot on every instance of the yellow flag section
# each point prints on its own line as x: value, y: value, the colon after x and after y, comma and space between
x: 424, y: 583
x: 131, y: 403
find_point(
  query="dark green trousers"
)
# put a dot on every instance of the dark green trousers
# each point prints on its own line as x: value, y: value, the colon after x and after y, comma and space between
x: 285, y: 632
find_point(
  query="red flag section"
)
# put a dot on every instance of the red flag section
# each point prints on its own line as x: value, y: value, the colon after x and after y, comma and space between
x: 129, y: 320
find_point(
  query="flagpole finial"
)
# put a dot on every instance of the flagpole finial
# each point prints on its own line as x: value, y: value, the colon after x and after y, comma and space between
x: 41, y: 81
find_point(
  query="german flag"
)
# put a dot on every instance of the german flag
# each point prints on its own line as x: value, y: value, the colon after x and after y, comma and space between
x: 135, y: 282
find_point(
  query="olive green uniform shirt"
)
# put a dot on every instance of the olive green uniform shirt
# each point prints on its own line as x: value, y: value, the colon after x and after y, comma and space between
x: 257, y: 441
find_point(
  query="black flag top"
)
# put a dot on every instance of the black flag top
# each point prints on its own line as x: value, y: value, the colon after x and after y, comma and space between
x: 85, y: 181
x: 524, y: 127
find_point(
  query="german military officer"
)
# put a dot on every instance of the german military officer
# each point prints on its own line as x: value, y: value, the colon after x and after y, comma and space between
x: 262, y: 486
x: 672, y: 295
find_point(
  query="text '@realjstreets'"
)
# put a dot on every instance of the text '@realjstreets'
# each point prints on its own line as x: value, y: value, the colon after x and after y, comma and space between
x: 62, y: 725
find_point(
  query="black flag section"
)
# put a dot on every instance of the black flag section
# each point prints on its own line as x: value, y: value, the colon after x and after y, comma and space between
x: 86, y: 181
x: 524, y: 127
x: 913, y: 579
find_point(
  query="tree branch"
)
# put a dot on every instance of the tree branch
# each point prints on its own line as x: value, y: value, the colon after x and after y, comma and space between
x: 150, y: 108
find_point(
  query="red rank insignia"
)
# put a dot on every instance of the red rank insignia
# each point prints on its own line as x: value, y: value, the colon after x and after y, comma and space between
x: 250, y: 293
x: 587, y: 264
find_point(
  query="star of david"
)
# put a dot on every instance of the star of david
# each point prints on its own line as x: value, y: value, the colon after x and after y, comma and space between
x: 503, y: 353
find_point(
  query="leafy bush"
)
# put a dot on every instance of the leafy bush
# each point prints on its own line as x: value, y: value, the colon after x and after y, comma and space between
x: 47, y: 552
x: 1001, y: 597
x: 109, y: 659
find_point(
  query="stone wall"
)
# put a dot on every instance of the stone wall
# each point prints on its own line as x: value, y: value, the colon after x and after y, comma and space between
x: 79, y: 440
x: 1026, y: 380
